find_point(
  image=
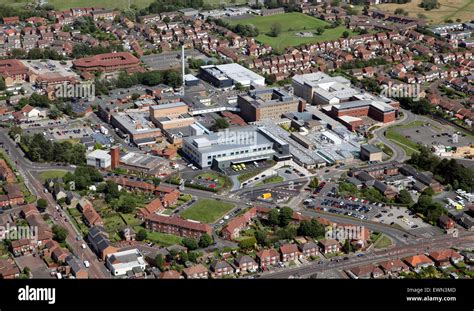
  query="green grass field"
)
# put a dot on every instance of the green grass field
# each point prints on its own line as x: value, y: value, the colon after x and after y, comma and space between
x: 269, y: 180
x: 406, y: 144
x: 382, y: 242
x: 52, y: 174
x: 291, y: 23
x: 207, y: 210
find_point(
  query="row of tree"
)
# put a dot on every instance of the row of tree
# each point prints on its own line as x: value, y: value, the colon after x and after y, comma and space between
x: 445, y: 171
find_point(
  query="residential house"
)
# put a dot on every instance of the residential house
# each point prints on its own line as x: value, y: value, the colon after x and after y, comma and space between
x: 329, y: 246
x: 221, y: 268
x: 418, y: 261
x: 289, y: 252
x: 196, y: 272
x: 245, y: 264
x: 446, y: 257
x: 268, y: 257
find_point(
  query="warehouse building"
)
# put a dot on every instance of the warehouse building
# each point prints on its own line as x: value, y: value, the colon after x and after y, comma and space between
x: 228, y: 75
x: 321, y: 89
x: 239, y: 145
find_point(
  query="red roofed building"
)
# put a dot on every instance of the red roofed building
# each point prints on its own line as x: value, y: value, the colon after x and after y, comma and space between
x: 233, y: 227
x: 445, y: 257
x: 109, y: 62
x: 176, y: 226
x: 151, y: 208
x: 13, y: 71
x: 289, y: 252
x: 419, y: 261
x: 11, y: 20
x: 268, y: 257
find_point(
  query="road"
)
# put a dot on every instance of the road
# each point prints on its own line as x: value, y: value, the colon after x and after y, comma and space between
x: 399, y: 155
x: 29, y: 171
x: 377, y: 256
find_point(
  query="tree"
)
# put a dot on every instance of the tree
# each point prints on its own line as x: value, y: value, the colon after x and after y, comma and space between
x: 311, y: 228
x: 194, y: 256
x: 205, y: 240
x: 141, y: 235
x: 320, y: 30
x: 345, y: 34
x: 399, y: 11
x: 3, y: 86
x: 314, y: 183
x: 275, y: 30
x: 285, y: 216
x: 404, y: 197
x: 347, y: 247
x: 59, y: 233
x: 42, y: 204
x: 429, y: 4
x: 262, y: 238
x: 220, y: 123
x: 247, y: 243
x: 273, y: 217
x: 190, y: 243
x: 159, y: 261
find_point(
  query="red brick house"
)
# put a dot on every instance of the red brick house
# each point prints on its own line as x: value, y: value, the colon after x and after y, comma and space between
x: 329, y: 246
x: 289, y: 252
x: 446, y: 257
x: 268, y: 257
x: 196, y: 272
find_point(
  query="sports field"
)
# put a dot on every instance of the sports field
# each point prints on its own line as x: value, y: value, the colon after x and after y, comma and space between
x: 292, y: 25
x: 449, y: 9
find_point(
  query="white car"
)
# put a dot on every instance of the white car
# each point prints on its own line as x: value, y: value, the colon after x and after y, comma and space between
x: 84, y: 246
x: 87, y: 264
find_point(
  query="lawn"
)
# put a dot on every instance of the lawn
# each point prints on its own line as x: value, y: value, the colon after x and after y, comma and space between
x: 162, y: 239
x: 207, y: 210
x: 52, y: 174
x: 382, y: 242
x: 269, y: 180
x: 449, y: 9
x: 406, y: 144
x: 220, y: 180
x: 291, y: 23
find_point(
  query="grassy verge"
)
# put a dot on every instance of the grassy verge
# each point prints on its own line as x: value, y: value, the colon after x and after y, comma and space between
x: 269, y: 180
x: 52, y: 174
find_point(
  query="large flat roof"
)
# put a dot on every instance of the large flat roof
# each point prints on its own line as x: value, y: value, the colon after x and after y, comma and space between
x: 245, y: 136
x: 241, y: 74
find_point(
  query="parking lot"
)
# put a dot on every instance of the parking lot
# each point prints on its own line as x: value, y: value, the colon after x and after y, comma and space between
x: 169, y: 60
x: 246, y: 168
x: 401, y: 216
x: 432, y: 133
x: 353, y: 207
x: 278, y: 194
x: 50, y: 67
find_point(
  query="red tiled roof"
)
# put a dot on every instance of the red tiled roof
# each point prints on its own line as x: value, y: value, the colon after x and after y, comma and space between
x: 417, y: 260
x: 180, y: 222
x: 288, y: 249
x: 107, y: 60
x: 444, y: 254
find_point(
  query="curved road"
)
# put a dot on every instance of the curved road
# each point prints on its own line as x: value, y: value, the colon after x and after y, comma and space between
x: 399, y: 155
